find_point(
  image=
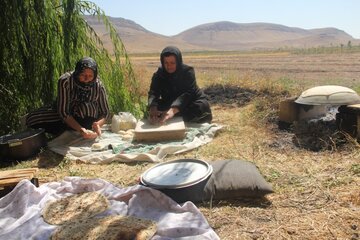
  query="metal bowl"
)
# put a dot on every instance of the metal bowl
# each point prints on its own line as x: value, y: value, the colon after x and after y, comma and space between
x: 22, y: 145
x: 182, y: 180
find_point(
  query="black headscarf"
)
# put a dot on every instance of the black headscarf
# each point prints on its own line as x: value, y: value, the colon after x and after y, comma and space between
x: 171, y: 50
x: 81, y: 65
x: 83, y: 90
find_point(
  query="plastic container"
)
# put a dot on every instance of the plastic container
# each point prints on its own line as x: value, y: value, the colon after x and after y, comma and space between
x: 123, y: 121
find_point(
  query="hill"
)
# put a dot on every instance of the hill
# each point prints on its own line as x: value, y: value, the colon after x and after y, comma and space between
x: 222, y: 36
x: 136, y: 38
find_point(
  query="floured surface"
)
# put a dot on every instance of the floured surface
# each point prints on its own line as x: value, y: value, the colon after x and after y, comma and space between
x: 21, y: 209
x: 173, y: 129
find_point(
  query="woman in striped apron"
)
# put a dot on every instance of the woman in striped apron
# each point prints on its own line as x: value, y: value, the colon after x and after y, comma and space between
x: 81, y: 103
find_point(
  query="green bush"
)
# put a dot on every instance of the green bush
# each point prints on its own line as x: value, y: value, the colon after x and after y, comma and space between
x: 40, y: 40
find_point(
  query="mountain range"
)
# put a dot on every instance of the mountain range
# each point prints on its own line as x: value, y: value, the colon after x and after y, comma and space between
x: 221, y: 36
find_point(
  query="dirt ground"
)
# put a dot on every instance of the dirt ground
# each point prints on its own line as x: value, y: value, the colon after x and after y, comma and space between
x: 316, y: 193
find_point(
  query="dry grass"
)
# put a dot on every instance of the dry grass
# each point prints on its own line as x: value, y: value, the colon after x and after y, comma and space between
x: 316, y: 193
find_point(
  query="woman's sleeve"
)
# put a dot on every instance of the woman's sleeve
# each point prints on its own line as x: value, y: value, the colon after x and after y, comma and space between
x: 154, y: 91
x: 63, y: 97
x: 190, y: 89
x: 103, y: 103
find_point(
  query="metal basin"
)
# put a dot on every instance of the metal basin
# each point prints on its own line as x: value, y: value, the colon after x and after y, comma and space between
x: 22, y: 145
x: 182, y: 179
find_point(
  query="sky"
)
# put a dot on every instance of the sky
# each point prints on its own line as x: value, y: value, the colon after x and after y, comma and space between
x: 172, y: 17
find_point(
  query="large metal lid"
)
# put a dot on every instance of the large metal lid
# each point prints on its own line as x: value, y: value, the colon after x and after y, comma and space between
x: 176, y: 174
x: 328, y: 95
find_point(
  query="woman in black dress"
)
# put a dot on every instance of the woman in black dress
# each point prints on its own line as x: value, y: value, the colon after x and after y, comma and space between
x: 174, y: 91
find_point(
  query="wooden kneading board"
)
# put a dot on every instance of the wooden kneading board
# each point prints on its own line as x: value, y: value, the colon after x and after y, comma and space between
x: 173, y: 129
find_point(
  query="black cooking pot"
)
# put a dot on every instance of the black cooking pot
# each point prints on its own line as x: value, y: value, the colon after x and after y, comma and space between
x: 22, y: 145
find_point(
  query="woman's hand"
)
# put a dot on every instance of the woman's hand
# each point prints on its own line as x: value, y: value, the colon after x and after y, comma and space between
x: 154, y: 115
x: 97, y: 128
x: 169, y: 114
x: 88, y: 134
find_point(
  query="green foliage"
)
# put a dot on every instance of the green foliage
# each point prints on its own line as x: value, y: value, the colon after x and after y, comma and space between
x: 349, y: 48
x: 40, y: 40
x: 355, y: 169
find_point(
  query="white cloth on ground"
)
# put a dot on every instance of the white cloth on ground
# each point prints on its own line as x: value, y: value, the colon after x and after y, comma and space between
x: 21, y: 218
x: 74, y: 147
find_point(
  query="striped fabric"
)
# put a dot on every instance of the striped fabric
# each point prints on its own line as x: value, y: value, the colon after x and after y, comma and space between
x: 74, y: 99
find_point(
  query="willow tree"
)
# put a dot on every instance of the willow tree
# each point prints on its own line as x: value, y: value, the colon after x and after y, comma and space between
x: 41, y: 39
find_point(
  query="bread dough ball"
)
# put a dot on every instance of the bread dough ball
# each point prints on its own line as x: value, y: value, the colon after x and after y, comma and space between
x: 96, y: 146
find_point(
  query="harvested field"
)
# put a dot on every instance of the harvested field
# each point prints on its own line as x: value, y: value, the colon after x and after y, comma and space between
x: 300, y: 70
x: 317, y: 193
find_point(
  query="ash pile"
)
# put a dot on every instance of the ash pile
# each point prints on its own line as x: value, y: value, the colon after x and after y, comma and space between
x: 319, y: 134
x: 322, y: 117
x: 227, y: 95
